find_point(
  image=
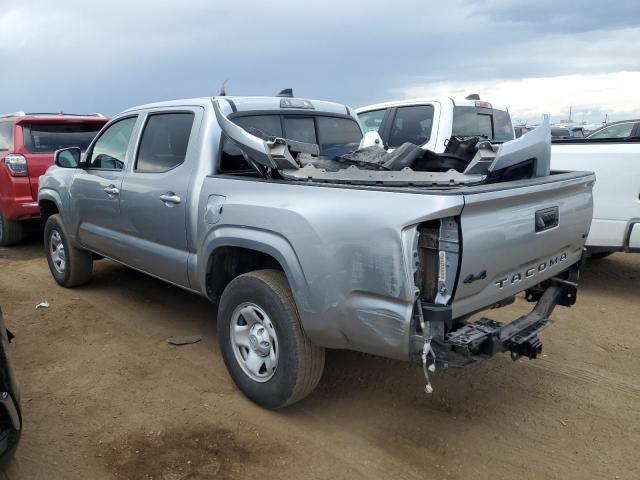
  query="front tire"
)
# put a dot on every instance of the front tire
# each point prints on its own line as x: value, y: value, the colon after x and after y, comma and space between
x: 70, y: 266
x: 11, y: 232
x: 266, y: 352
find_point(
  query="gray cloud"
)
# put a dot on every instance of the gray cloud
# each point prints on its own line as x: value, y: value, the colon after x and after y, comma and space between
x: 107, y: 56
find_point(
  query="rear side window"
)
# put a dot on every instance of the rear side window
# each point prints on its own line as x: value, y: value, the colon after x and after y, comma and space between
x: 164, y: 142
x: 110, y: 150
x: 6, y: 135
x: 482, y: 122
x: 49, y: 137
x: 371, y: 121
x: 412, y: 124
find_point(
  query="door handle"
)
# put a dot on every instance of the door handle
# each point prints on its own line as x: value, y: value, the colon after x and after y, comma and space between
x: 112, y: 190
x: 170, y: 197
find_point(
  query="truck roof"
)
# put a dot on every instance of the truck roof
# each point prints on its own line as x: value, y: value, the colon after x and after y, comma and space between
x: 458, y: 102
x: 21, y: 117
x: 247, y: 104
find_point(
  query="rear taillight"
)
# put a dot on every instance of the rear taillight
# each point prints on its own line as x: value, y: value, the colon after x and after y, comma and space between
x: 438, y: 257
x: 16, y: 164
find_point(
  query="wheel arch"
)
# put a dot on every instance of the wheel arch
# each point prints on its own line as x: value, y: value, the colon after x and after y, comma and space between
x: 49, y: 202
x: 232, y: 251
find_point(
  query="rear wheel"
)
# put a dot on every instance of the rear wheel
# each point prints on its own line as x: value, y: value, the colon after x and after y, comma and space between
x: 10, y: 231
x: 267, y: 353
x: 70, y: 266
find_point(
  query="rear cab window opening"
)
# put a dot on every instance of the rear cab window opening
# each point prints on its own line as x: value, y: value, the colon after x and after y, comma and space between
x: 334, y: 135
x: 488, y: 123
x: 42, y: 137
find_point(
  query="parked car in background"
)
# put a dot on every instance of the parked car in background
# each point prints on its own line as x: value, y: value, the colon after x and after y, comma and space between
x: 269, y: 207
x: 622, y: 130
x: 27, y: 143
x: 613, y: 153
x: 10, y: 414
x: 562, y: 132
x: 431, y: 122
x: 522, y: 129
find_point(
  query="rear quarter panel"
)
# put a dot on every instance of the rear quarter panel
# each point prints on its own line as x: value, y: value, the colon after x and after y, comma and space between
x: 351, y: 282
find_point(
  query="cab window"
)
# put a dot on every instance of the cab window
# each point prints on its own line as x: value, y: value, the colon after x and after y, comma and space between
x: 411, y: 124
x: 110, y: 150
x: 164, y: 142
x: 372, y: 121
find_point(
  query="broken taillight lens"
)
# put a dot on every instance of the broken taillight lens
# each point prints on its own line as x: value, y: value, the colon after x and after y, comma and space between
x: 16, y: 164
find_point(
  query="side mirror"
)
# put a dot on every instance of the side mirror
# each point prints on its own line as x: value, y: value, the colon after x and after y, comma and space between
x: 68, y: 157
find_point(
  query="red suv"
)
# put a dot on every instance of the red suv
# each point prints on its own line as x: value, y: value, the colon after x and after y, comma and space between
x: 27, y: 143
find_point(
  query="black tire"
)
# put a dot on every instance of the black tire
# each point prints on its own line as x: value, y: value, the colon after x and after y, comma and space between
x: 78, y: 263
x: 11, y: 232
x: 300, y: 363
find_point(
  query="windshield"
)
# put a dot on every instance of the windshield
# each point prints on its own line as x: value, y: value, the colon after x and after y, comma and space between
x: 49, y: 137
x: 482, y: 122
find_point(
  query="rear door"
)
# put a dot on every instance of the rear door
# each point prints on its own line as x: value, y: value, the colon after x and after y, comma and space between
x: 155, y: 194
x: 514, y: 238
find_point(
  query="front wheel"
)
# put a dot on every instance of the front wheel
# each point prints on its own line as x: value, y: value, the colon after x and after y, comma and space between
x: 267, y: 353
x: 70, y: 266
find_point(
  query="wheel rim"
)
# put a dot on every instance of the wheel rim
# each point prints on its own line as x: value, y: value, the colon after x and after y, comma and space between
x: 56, y: 252
x: 254, y: 342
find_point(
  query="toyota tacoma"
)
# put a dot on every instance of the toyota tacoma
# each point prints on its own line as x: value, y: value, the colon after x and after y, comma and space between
x: 309, y: 236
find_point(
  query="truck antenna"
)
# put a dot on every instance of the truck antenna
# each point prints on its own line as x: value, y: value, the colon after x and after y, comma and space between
x: 223, y: 92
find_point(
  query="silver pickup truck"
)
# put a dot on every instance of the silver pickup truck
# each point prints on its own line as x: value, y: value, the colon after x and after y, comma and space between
x: 308, y: 237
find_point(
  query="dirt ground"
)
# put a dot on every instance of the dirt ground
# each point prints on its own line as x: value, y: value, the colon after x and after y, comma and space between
x: 104, y: 396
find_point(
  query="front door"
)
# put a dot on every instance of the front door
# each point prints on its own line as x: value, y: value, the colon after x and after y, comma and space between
x: 95, y: 191
x: 154, y: 194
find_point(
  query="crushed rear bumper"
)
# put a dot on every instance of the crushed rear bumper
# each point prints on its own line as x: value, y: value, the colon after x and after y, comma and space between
x: 458, y: 344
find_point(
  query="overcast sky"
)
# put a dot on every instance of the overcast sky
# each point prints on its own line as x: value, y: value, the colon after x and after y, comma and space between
x: 534, y: 56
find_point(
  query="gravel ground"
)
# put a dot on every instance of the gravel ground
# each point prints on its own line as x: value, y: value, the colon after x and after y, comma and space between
x: 104, y: 396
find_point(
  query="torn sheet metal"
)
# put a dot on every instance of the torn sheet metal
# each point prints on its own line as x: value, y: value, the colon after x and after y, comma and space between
x: 407, y: 165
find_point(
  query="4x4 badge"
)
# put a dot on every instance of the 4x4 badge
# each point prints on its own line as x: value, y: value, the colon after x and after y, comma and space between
x: 473, y: 277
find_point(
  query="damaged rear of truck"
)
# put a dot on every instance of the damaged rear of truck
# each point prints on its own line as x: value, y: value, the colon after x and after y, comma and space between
x: 417, y: 242
x: 308, y: 235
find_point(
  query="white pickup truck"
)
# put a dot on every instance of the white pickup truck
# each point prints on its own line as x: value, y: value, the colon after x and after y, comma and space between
x: 431, y: 122
x: 613, y: 153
